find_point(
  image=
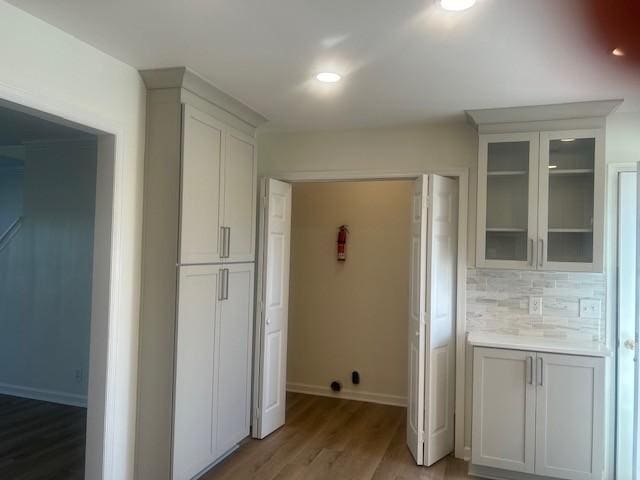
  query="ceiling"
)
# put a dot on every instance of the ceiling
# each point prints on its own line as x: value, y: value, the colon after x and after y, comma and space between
x: 403, y: 61
x: 17, y: 128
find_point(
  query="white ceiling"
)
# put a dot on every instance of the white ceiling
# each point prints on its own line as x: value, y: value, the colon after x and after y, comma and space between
x: 403, y: 61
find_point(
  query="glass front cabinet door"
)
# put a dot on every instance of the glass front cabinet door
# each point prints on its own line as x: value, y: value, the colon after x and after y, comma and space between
x: 540, y: 201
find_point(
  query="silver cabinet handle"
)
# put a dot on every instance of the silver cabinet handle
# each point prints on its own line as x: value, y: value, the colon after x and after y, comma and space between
x: 228, y: 242
x: 540, y: 371
x: 221, y: 284
x: 226, y: 284
x: 530, y: 370
x: 530, y: 252
x: 223, y: 241
x: 542, y: 252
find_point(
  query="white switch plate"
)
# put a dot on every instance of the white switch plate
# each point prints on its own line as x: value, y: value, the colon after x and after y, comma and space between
x: 535, y: 305
x: 590, y: 308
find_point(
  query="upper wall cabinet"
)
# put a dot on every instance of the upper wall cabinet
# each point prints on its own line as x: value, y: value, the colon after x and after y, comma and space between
x: 541, y: 187
x: 218, y: 199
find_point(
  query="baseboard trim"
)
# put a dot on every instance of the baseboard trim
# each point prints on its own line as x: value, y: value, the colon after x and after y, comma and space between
x: 348, y: 394
x: 44, y: 395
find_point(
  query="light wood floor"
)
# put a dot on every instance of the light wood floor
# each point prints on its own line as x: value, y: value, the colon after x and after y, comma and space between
x: 41, y: 440
x: 328, y: 438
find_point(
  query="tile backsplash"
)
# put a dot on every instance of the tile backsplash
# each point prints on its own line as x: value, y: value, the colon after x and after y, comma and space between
x: 498, y: 302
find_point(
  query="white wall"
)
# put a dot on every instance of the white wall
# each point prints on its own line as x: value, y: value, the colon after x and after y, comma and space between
x: 49, y: 69
x: 351, y: 315
x: 415, y: 148
x: 45, y: 276
x: 623, y: 138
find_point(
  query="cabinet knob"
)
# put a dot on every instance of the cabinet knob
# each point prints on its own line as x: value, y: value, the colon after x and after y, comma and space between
x: 630, y: 344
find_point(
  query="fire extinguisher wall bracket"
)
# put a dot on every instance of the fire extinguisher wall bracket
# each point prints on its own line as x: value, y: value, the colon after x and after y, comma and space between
x: 342, y: 242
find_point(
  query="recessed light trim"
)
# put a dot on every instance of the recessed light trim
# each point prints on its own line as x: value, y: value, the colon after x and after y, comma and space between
x: 567, y: 139
x: 457, y: 5
x: 328, y: 77
x: 618, y: 52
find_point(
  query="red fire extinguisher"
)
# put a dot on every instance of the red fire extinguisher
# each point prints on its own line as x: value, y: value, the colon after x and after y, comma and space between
x: 342, y: 243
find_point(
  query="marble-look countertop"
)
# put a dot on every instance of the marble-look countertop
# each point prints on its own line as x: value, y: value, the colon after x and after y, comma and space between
x: 538, y: 344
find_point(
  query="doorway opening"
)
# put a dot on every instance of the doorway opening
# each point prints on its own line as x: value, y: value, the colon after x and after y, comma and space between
x: 340, y: 317
x: 56, y: 189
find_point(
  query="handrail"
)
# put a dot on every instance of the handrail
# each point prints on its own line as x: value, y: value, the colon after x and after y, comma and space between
x: 10, y: 232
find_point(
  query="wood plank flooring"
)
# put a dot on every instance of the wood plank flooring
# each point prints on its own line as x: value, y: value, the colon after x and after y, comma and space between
x: 329, y: 438
x: 41, y: 440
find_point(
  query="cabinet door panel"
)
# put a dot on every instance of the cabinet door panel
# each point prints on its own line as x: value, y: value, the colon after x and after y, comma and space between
x: 234, y: 357
x: 200, y: 212
x: 194, y: 427
x: 507, y: 200
x: 240, y: 196
x: 503, y: 409
x: 570, y: 411
x: 570, y: 204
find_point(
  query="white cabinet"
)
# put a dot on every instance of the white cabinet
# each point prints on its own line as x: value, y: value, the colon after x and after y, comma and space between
x: 218, y: 191
x: 196, y: 378
x: 540, y: 200
x: 503, y: 434
x: 213, y: 364
x: 196, y: 332
x: 569, y: 416
x: 537, y: 413
x: 233, y: 352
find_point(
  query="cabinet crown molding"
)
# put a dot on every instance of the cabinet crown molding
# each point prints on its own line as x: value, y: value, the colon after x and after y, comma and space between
x: 183, y: 77
x: 545, y: 114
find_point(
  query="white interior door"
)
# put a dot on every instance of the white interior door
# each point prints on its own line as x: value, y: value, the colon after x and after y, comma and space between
x: 625, y: 377
x: 440, y: 372
x: 272, y: 314
x: 417, y: 297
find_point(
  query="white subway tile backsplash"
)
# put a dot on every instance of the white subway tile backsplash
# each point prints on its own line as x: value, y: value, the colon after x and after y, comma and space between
x: 498, y: 302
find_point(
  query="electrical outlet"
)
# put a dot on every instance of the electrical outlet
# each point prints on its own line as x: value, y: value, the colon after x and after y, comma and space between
x: 590, y: 308
x: 78, y: 375
x: 535, y: 305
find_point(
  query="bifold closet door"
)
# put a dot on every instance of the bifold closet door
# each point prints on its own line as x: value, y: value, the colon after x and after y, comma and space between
x: 234, y: 355
x: 195, y: 404
x: 203, y: 143
x: 273, y: 315
x: 239, y: 217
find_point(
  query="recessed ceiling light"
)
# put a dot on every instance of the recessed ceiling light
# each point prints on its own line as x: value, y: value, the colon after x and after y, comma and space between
x: 456, y: 5
x: 328, y: 77
x: 567, y: 139
x: 618, y: 52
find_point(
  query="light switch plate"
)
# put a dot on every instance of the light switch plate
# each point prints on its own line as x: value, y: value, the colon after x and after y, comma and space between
x: 590, y: 308
x: 535, y: 305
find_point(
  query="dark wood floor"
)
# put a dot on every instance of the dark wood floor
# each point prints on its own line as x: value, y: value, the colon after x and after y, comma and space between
x: 41, y: 440
x: 328, y: 438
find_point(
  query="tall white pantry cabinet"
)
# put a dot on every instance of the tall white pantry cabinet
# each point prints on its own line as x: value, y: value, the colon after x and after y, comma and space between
x: 194, y: 387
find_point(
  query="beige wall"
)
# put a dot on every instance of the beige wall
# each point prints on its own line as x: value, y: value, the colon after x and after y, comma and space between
x: 352, y: 315
x: 43, y: 66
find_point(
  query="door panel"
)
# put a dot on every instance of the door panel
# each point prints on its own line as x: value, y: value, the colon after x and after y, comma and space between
x: 570, y: 213
x: 503, y: 434
x: 507, y: 200
x: 442, y: 233
x: 569, y: 416
x: 202, y: 147
x: 272, y: 317
x: 416, y: 333
x: 234, y: 357
x: 240, y: 196
x: 194, y: 425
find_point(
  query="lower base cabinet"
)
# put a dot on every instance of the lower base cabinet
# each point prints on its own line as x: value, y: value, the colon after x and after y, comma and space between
x: 213, y: 365
x: 537, y: 415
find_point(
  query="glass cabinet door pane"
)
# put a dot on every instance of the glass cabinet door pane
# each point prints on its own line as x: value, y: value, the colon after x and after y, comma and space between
x: 571, y: 190
x: 507, y: 214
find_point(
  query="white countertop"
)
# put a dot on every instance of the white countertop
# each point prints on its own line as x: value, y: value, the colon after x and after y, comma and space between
x: 538, y: 344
